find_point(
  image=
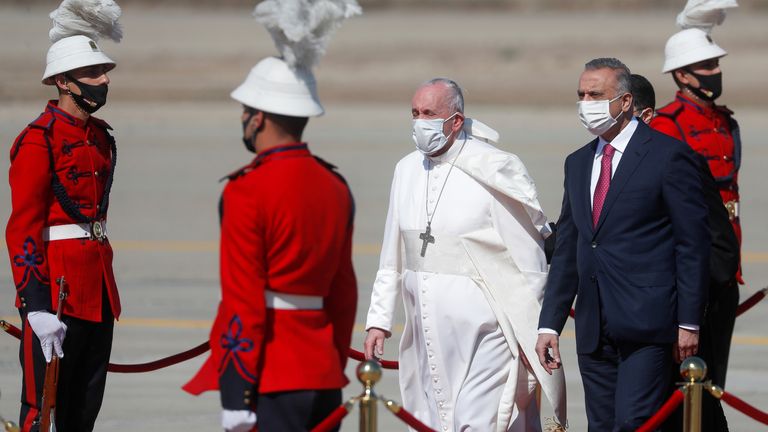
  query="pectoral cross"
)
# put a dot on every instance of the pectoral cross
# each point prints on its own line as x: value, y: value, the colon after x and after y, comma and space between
x: 426, y: 238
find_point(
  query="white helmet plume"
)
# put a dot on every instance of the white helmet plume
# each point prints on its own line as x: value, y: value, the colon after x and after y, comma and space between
x: 704, y: 14
x: 301, y: 29
x: 92, y: 18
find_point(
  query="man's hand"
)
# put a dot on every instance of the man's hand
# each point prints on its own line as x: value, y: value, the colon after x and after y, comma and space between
x: 238, y: 420
x: 687, y: 344
x: 374, y: 343
x: 50, y: 331
x: 546, y: 342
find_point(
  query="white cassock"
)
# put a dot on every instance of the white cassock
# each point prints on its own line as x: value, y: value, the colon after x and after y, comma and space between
x: 474, y: 299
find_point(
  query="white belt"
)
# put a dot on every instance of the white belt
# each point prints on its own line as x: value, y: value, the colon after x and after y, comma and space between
x: 447, y: 255
x: 95, y: 231
x: 277, y: 300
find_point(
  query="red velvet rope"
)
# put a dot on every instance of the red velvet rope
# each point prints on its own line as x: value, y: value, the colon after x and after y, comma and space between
x: 332, y: 420
x: 412, y: 421
x: 744, y: 407
x: 161, y: 363
x: 353, y: 354
x: 131, y: 368
x: 669, y: 406
x: 11, y: 329
x: 753, y: 300
x: 386, y: 364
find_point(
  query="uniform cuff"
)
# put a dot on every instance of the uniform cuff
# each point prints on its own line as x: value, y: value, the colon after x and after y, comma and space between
x: 236, y: 392
x: 36, y: 296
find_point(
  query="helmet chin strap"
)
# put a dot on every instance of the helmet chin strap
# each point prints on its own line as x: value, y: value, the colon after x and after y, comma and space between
x: 74, y: 102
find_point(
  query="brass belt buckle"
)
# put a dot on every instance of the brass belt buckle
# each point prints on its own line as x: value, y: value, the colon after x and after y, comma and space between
x: 97, y: 231
x: 730, y: 206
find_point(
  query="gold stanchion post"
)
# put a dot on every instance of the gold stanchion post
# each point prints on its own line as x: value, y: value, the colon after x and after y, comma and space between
x: 368, y: 373
x: 693, y: 370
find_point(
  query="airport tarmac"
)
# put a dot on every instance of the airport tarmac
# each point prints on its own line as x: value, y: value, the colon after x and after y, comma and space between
x: 178, y: 134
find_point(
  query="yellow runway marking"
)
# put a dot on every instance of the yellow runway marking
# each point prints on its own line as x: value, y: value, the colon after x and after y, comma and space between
x: 754, y: 257
x: 164, y: 246
x: 368, y: 249
x: 165, y: 323
x: 750, y: 340
x: 207, y: 246
x: 162, y: 323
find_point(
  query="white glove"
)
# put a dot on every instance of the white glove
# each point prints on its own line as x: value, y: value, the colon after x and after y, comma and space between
x: 238, y: 420
x: 49, y: 330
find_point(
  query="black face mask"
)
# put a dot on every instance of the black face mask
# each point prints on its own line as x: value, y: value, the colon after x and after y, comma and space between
x: 710, y: 86
x: 91, y: 97
x: 249, y: 142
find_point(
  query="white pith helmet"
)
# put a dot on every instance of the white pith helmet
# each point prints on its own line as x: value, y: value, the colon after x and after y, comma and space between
x: 273, y: 86
x: 689, y: 46
x: 71, y: 53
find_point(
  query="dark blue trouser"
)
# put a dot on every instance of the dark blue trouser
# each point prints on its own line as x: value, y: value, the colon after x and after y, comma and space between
x: 624, y: 383
x: 295, y: 411
x: 82, y: 374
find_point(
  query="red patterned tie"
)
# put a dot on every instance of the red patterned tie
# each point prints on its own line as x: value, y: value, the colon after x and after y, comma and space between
x: 603, y: 183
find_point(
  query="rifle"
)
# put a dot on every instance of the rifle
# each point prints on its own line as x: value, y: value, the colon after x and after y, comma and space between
x: 51, y: 383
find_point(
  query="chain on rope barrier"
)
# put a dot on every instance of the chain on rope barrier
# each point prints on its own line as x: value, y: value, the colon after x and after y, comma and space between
x: 664, y: 412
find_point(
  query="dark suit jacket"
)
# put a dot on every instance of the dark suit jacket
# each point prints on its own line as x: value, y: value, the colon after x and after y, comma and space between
x: 724, y: 255
x: 645, y: 267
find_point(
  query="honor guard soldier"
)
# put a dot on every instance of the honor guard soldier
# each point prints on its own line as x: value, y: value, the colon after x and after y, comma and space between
x: 62, y: 167
x: 281, y: 337
x: 693, y: 60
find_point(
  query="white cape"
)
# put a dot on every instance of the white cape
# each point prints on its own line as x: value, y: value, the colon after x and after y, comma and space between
x: 517, y: 311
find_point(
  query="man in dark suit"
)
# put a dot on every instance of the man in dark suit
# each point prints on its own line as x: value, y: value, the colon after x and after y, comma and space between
x: 633, y: 243
x: 720, y: 313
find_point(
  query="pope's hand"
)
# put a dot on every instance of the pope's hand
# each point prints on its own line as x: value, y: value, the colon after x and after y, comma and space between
x: 238, y: 420
x: 374, y: 343
x: 50, y: 331
x: 546, y: 342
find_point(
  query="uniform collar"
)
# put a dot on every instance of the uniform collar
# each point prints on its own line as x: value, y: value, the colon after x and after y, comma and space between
x: 296, y: 149
x: 690, y: 103
x: 60, y: 114
x: 292, y: 149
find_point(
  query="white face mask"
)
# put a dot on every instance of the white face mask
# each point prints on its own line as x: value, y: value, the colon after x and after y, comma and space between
x: 428, y: 135
x: 596, y: 115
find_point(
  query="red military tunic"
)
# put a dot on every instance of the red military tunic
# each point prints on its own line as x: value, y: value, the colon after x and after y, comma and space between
x: 286, y: 227
x: 713, y: 133
x: 81, y: 153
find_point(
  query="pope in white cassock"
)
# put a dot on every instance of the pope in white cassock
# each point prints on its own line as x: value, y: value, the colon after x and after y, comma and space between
x: 464, y: 246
